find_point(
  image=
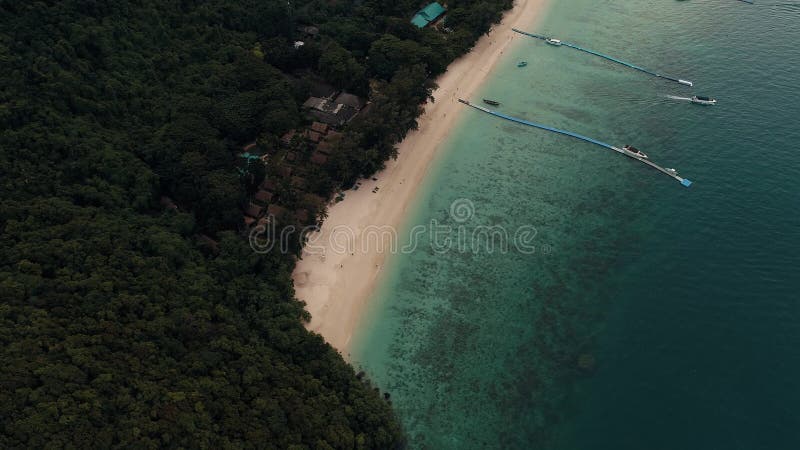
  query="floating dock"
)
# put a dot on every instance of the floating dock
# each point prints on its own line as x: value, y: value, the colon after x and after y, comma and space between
x: 592, y: 52
x: 672, y: 173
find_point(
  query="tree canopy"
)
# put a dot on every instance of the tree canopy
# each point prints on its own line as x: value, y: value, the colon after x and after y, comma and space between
x: 133, y: 313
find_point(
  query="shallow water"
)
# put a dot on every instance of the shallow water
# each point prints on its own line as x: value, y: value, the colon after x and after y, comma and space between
x: 647, y: 315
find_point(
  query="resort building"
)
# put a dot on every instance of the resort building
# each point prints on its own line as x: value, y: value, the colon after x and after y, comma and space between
x: 428, y: 15
x: 335, y: 112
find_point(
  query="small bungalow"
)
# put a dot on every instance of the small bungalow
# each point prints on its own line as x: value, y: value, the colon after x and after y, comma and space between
x: 276, y: 211
x: 263, y: 197
x: 313, y: 136
x: 318, y: 158
x: 350, y: 100
x: 287, y: 137
x: 309, y: 30
x: 429, y: 14
x: 269, y: 185
x: 253, y: 210
x: 319, y: 127
x: 325, y: 147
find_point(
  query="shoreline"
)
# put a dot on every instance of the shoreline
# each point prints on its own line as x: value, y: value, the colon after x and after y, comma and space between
x: 337, y: 285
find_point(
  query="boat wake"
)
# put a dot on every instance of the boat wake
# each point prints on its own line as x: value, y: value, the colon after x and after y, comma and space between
x: 675, y: 97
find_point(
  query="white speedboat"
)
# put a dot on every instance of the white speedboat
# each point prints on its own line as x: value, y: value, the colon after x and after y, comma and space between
x: 635, y: 151
x: 552, y: 41
x: 700, y: 100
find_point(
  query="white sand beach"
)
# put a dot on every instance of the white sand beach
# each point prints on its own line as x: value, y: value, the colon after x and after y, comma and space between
x: 336, y: 285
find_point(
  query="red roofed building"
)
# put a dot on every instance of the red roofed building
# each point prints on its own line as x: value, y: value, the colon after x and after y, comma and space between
x: 319, y: 127
x: 318, y: 158
x: 269, y: 185
x: 287, y: 137
x: 263, y: 197
x: 276, y: 211
x: 253, y: 210
x: 325, y: 147
x: 313, y: 136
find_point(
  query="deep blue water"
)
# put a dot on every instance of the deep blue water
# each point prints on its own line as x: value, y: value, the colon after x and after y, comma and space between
x: 700, y: 348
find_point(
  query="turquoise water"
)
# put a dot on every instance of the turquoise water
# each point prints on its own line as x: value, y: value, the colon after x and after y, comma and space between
x: 648, y: 315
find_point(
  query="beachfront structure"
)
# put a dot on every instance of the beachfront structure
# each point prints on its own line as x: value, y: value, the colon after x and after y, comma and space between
x: 428, y: 15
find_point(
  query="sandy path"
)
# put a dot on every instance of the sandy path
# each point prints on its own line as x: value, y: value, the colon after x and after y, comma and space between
x: 336, y: 284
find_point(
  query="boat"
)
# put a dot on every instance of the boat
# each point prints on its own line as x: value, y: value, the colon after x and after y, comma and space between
x: 491, y: 102
x: 552, y: 41
x: 700, y: 100
x: 635, y: 151
x: 522, y: 63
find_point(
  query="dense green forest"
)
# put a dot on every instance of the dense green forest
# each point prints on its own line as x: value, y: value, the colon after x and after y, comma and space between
x: 127, y: 324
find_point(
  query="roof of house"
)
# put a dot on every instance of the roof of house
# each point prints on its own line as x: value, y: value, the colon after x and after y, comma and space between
x: 269, y: 185
x: 365, y: 110
x: 428, y: 14
x: 344, y: 113
x: 336, y: 112
x: 315, y: 102
x: 313, y: 136
x: 253, y: 210
x: 319, y: 127
x: 276, y: 211
x: 318, y: 158
x: 325, y: 147
x: 309, y: 29
x: 287, y: 137
x: 350, y: 100
x: 263, y: 196
x: 326, y: 117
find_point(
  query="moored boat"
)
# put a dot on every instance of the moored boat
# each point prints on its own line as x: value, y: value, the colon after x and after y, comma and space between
x: 635, y: 151
x: 701, y: 100
x: 552, y: 41
x: 491, y: 102
x: 522, y: 63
